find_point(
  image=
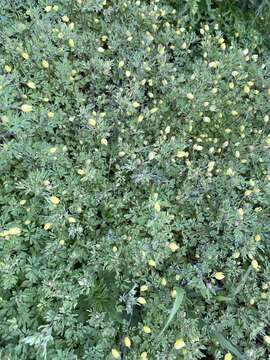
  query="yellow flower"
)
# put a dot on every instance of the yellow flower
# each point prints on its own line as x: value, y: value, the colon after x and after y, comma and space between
x: 157, y: 207
x: 25, y: 55
x: 65, y: 18
x: 92, y: 122
x: 45, y: 64
x: 47, y: 226
x: 153, y: 110
x: 266, y: 339
x: 23, y: 202
x: 141, y: 300
x: 230, y: 172
x: 8, y: 68
x: 173, y: 294
x: 104, y: 141
x: 121, y: 64
x: 62, y: 242
x: 53, y: 150
x: 228, y: 356
x: 50, y: 114
x: 219, y: 275
x: 140, y: 118
x: 31, y: 84
x: 180, y: 154
x: 55, y: 200
x: 116, y: 354
x: 71, y: 220
x: 127, y: 342
x: 173, y: 246
x: 48, y: 8
x: 55, y: 7
x: 236, y: 254
x: 152, y: 263
x: 258, y: 237
x: 14, y: 231
x: 163, y: 282
x: 135, y: 104
x: 190, y: 96
x: 246, y: 89
x: 223, y: 46
x: 71, y: 43
x: 147, y: 329
x: 80, y: 172
x: 26, y: 108
x: 234, y: 113
x: 143, y: 288
x: 255, y: 265
x: 179, y: 344
x: 268, y: 91
x: 128, y: 73
x: 4, y: 233
x: 144, y: 356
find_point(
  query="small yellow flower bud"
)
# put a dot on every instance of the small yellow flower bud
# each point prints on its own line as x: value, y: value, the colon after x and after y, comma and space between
x: 173, y: 246
x: 147, y: 329
x: 190, y: 96
x: 152, y: 263
x: 179, y: 344
x: 92, y: 122
x: 47, y: 226
x: 127, y: 342
x: 266, y: 339
x: 219, y: 275
x: 45, y: 64
x: 121, y: 64
x: 104, y: 141
x: 141, y: 300
x: 26, y: 108
x: 31, y: 84
x: 157, y: 207
x: 71, y: 43
x: 116, y: 354
x: 55, y: 200
x: 14, y: 231
x: 143, y: 288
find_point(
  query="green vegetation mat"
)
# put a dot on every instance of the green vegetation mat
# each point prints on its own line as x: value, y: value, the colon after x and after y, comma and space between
x: 135, y: 182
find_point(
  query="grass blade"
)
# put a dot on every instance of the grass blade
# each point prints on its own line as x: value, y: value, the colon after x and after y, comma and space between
x: 177, y: 303
x: 226, y: 344
x: 242, y: 282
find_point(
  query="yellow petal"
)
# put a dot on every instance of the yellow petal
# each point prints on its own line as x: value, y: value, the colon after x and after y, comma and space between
x: 14, y: 231
x: 173, y: 247
x: 147, y: 329
x: 219, y: 275
x: 141, y: 300
x: 127, y: 342
x: 179, y: 344
x: 55, y: 200
x: 116, y: 354
x: 157, y: 207
x: 26, y: 108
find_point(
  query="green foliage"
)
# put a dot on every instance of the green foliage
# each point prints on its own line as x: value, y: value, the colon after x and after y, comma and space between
x: 134, y: 163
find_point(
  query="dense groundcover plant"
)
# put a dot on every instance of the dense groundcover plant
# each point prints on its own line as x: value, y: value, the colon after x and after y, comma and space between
x: 135, y: 183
